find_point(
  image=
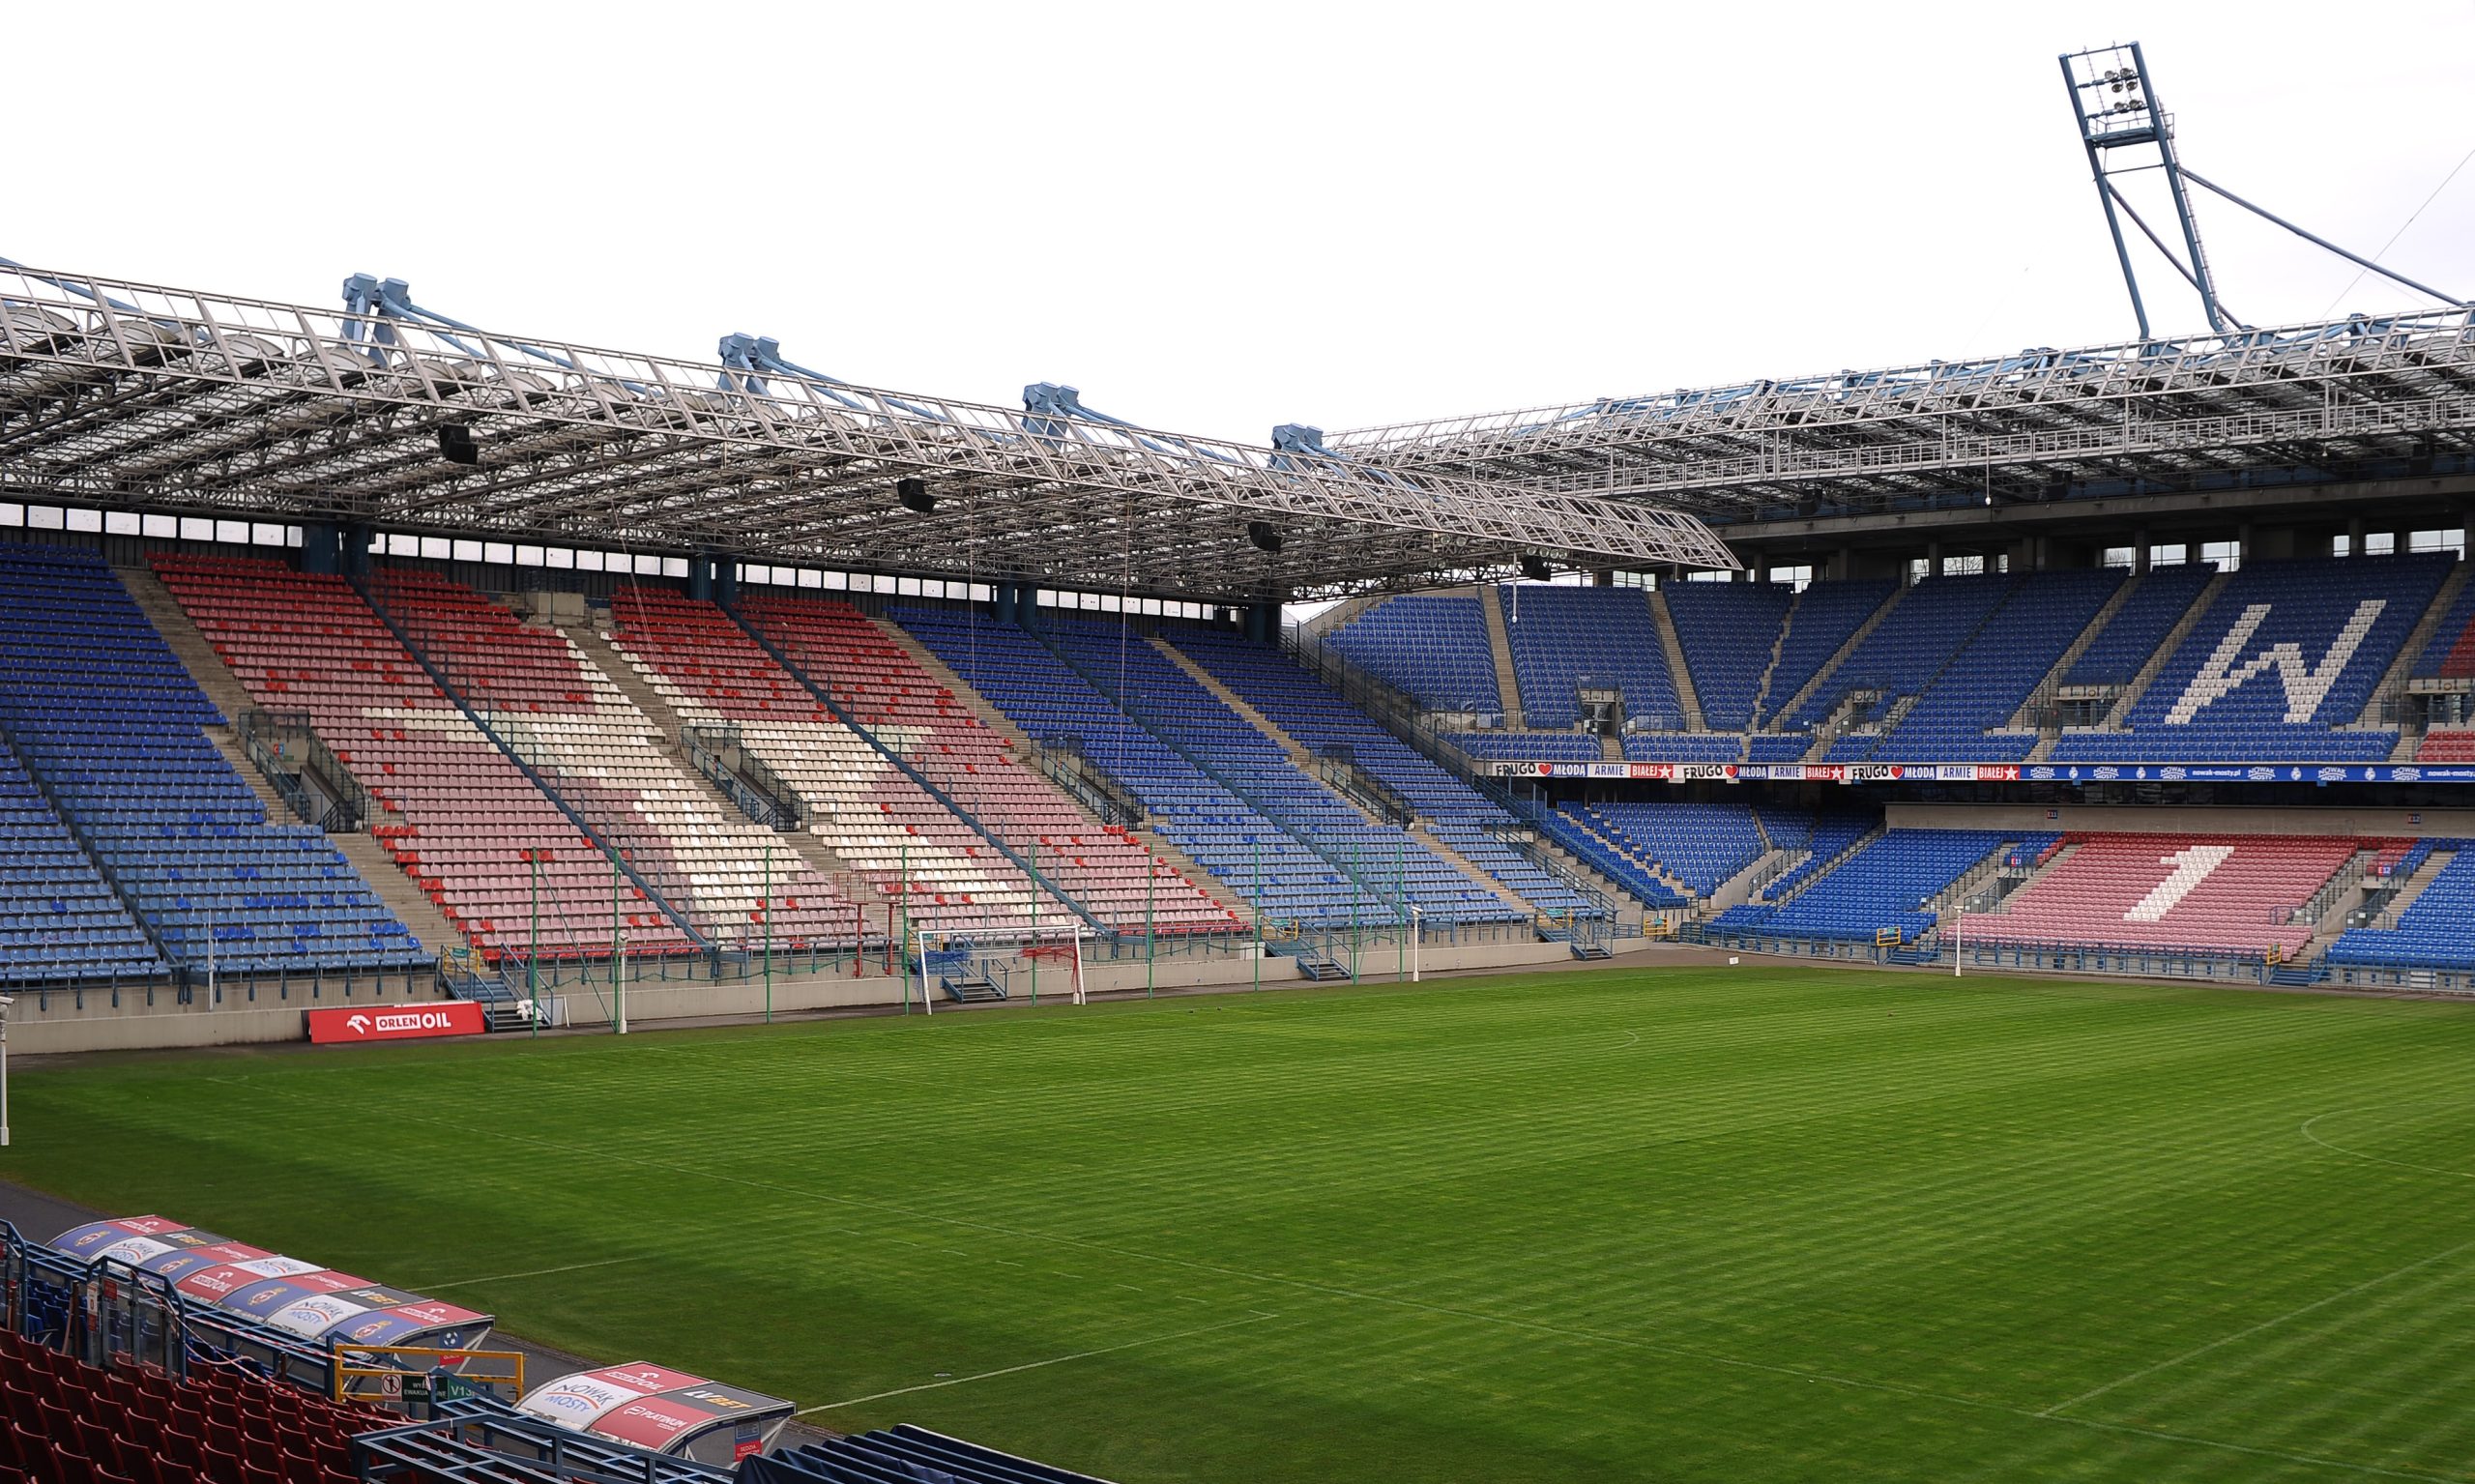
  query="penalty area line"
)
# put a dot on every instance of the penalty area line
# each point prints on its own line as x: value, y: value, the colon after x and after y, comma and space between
x: 1256, y: 1317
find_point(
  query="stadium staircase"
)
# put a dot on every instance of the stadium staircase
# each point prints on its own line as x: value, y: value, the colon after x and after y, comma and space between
x: 1499, y: 647
x: 411, y: 905
x: 1822, y: 673
x: 2120, y: 712
x: 1306, y: 764
x: 669, y: 727
x: 230, y: 696
x: 996, y: 721
x: 1770, y: 671
x: 2385, y: 708
x: 1687, y: 699
x: 2035, y: 714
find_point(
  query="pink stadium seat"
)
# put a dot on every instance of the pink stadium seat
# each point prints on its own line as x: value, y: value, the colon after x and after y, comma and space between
x: 2202, y: 892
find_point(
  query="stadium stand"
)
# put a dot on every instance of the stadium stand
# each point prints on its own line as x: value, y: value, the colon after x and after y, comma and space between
x: 1824, y: 618
x: 2231, y: 894
x: 70, y: 1422
x: 1703, y: 845
x: 1199, y: 724
x: 60, y: 921
x: 1563, y: 637
x: 2436, y: 931
x: 1957, y: 711
x: 1569, y: 827
x: 1728, y: 631
x: 1222, y: 832
x: 458, y: 816
x: 1906, y: 651
x: 871, y: 814
x: 2277, y: 665
x: 1882, y: 884
x: 2450, y: 652
x: 103, y: 716
x: 573, y: 725
x: 1530, y: 746
x: 1453, y: 813
x: 2141, y: 625
x: 1432, y: 645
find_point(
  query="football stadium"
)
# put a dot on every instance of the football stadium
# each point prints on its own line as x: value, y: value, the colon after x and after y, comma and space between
x: 629, y: 918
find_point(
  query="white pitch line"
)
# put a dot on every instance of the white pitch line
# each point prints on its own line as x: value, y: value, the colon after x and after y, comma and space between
x: 2323, y: 1302
x: 1257, y: 1317
x: 537, y: 1272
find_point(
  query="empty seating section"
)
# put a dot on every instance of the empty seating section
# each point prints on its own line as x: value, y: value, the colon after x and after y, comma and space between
x: 1726, y: 629
x: 2283, y: 658
x: 1823, y: 837
x: 1703, y: 845
x: 2454, y: 745
x: 1683, y: 747
x: 68, y: 1422
x: 1578, y: 832
x: 1885, y: 883
x: 1530, y: 746
x: 900, y: 1455
x: 1259, y: 862
x: 1308, y: 710
x: 1958, y: 716
x: 2200, y: 892
x: 1177, y: 708
x: 1906, y: 650
x: 101, y: 711
x: 2155, y: 605
x: 1564, y: 637
x: 2436, y: 931
x: 1824, y: 614
x: 877, y: 818
x: 736, y: 881
x: 59, y: 918
x: 458, y: 817
x: 1433, y: 646
x: 2450, y: 652
x: 1228, y: 835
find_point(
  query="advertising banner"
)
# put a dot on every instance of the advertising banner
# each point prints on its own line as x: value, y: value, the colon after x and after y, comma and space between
x: 346, y: 1024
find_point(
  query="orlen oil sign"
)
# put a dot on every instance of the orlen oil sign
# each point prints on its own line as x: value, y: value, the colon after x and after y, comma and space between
x: 398, y: 1022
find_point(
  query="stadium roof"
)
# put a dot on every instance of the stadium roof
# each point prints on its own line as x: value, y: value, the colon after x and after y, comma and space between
x: 136, y: 395
x: 2044, y: 425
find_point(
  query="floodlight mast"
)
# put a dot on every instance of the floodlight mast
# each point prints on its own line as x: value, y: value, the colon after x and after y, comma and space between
x: 2116, y: 104
x: 2118, y: 109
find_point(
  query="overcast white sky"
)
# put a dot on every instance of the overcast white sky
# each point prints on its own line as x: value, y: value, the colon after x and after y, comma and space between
x: 1220, y: 217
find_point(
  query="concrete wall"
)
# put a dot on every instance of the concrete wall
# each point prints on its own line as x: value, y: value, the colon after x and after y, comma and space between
x: 65, y: 1023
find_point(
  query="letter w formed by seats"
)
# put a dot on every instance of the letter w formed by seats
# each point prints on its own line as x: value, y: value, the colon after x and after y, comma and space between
x: 2305, y: 686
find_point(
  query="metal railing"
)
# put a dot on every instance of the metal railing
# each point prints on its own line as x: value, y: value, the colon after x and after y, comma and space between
x: 308, y: 776
x: 764, y: 796
x: 1064, y: 762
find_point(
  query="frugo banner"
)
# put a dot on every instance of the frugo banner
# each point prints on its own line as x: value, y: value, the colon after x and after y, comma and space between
x: 394, y: 1023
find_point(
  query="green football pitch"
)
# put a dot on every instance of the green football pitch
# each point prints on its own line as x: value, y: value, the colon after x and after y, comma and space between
x: 1753, y: 1224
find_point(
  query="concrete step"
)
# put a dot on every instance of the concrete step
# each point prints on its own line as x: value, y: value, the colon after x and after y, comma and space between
x: 227, y: 742
x: 410, y: 904
x: 182, y: 636
x: 1672, y: 643
x: 1499, y: 645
